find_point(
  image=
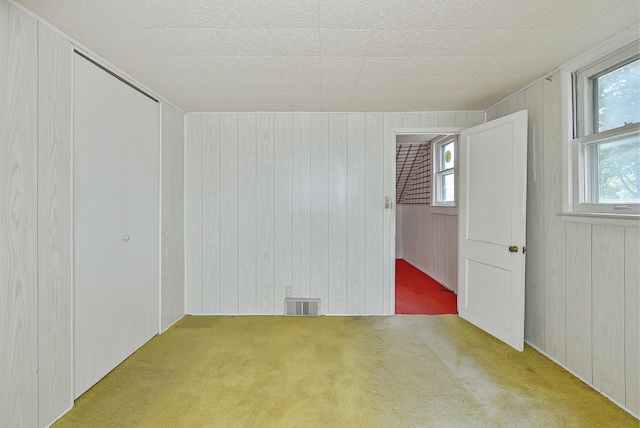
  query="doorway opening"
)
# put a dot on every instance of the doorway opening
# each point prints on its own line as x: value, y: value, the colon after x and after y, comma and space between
x: 426, y: 221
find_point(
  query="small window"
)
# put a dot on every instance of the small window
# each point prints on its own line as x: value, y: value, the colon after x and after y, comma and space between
x: 607, y: 143
x: 444, y: 171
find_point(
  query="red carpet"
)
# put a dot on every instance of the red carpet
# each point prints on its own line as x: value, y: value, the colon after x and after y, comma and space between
x: 418, y: 293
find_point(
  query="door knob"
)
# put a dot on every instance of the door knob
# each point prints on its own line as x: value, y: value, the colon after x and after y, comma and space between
x: 125, y: 238
x: 513, y: 248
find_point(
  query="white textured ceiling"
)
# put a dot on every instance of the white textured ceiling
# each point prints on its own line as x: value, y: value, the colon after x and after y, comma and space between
x: 337, y: 55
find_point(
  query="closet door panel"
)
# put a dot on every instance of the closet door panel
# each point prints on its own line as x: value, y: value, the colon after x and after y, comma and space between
x: 116, y: 295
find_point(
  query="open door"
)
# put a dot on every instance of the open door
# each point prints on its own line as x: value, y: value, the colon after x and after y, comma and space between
x: 492, y: 226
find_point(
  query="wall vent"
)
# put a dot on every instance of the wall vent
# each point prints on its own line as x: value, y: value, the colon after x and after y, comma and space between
x: 301, y: 307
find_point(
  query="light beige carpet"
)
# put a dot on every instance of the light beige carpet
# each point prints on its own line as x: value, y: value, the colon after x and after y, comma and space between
x: 400, y: 371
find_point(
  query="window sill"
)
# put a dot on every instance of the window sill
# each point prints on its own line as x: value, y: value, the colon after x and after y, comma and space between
x: 624, y: 220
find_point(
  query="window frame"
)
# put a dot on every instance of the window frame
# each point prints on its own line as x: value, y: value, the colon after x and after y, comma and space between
x: 585, y: 135
x: 437, y: 171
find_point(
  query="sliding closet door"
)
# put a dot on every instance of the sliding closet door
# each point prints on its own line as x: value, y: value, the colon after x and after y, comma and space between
x: 116, y: 291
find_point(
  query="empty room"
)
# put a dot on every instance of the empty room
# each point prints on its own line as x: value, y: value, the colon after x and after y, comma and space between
x: 208, y: 208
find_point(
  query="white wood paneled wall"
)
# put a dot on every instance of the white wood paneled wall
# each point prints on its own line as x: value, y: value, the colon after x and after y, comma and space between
x: 582, y: 280
x: 35, y: 223
x: 430, y: 240
x: 293, y: 199
x: 54, y: 225
x: 18, y: 218
x: 172, y: 216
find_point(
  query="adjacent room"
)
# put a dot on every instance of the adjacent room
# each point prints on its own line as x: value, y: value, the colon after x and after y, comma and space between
x: 319, y: 213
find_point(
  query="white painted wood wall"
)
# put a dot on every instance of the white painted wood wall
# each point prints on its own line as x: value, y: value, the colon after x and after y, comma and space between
x: 172, y: 216
x: 430, y: 239
x: 35, y: 275
x: 582, y: 280
x: 35, y: 220
x: 293, y: 199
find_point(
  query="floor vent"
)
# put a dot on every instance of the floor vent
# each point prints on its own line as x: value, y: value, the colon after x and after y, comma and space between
x: 301, y: 307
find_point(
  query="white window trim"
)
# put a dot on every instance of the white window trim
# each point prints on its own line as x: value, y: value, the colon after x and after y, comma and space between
x: 571, y: 210
x: 435, y: 145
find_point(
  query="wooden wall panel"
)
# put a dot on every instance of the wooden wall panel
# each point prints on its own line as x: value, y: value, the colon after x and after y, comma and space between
x: 607, y: 262
x: 337, y: 303
x: 284, y: 208
x: 534, y: 324
x: 54, y: 225
x: 247, y: 214
x: 211, y: 225
x: 297, y: 199
x: 229, y: 250
x: 632, y: 318
x: 554, y: 234
x: 172, y: 216
x: 410, y: 120
x: 193, y: 213
x: 18, y: 218
x: 178, y: 289
x: 374, y: 213
x: 319, y: 193
x: 301, y: 205
x: 265, y: 176
x: 578, y: 299
x: 166, y: 213
x: 356, y: 220
x: 429, y: 119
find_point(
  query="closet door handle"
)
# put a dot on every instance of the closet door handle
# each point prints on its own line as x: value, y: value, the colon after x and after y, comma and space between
x: 125, y: 238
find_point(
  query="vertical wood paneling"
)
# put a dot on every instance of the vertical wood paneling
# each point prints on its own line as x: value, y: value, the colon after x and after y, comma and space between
x: 247, y: 214
x: 172, y: 216
x: 18, y: 218
x: 410, y: 120
x: 554, y: 234
x: 54, y: 225
x: 503, y: 108
x: 193, y: 214
x: 178, y: 307
x: 356, y: 200
x: 447, y: 118
x: 301, y: 205
x: 578, y: 283
x: 166, y: 215
x: 492, y: 113
x: 337, y: 303
x: 229, y: 214
x: 517, y: 102
x: 534, y: 325
x: 166, y: 208
x: 320, y: 208
x: 462, y: 118
x: 211, y: 226
x: 632, y: 318
x: 284, y: 207
x: 475, y: 118
x: 608, y: 271
x: 429, y: 120
x: 375, y: 214
x: 266, y: 215
x: 391, y: 121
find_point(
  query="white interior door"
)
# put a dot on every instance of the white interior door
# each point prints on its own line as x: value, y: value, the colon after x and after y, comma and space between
x: 116, y: 215
x: 492, y: 226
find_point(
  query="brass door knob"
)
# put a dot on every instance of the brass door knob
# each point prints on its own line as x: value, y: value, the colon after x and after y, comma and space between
x: 513, y: 248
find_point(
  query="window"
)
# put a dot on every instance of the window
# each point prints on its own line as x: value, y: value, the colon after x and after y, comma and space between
x: 444, y: 171
x: 606, y: 148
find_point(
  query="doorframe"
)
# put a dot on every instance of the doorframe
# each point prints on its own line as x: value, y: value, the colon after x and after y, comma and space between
x: 451, y: 130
